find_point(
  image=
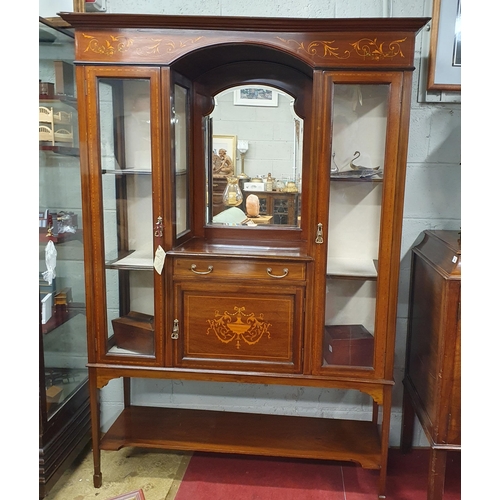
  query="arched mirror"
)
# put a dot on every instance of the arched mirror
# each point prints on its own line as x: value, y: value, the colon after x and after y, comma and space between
x: 255, y: 171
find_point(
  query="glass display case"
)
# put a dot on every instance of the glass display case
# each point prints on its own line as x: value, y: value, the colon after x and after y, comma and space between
x: 64, y: 398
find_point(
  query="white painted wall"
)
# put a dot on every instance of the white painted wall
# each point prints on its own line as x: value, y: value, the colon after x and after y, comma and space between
x: 432, y: 201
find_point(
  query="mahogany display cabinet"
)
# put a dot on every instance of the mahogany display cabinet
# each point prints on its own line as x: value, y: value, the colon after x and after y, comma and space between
x: 64, y: 406
x: 178, y: 289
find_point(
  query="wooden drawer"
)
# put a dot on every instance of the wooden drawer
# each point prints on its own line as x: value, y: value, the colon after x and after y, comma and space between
x: 239, y: 268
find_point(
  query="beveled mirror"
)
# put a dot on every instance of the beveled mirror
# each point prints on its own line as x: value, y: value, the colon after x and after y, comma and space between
x: 255, y: 169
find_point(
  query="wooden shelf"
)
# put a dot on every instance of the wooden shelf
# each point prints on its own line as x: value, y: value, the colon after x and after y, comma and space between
x: 247, y: 433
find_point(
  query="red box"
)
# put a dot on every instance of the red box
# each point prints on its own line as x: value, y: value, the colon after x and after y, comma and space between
x: 135, y: 332
x: 348, y: 345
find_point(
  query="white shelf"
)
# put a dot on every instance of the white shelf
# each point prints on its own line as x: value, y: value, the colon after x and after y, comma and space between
x: 138, y: 259
x: 352, y: 267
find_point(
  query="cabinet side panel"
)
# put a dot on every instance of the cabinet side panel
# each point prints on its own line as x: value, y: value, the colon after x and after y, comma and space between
x: 424, y: 360
x: 454, y: 352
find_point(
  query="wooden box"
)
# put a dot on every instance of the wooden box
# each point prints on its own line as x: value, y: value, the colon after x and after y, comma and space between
x: 135, y: 332
x: 53, y: 395
x: 350, y: 345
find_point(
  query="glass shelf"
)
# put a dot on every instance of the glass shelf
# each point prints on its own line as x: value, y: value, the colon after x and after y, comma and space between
x: 130, y: 171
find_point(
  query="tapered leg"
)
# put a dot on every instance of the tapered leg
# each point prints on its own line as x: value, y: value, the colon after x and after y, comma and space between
x: 126, y: 392
x: 375, y: 413
x: 437, y: 470
x: 384, y: 439
x: 96, y: 426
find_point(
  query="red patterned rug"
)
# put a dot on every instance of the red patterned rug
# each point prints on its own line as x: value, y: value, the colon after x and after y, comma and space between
x: 211, y: 476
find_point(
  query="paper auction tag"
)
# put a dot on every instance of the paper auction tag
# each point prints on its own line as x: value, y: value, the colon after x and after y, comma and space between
x: 159, y: 259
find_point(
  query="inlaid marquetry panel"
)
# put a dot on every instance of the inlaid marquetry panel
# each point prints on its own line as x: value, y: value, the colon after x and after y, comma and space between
x: 317, y: 49
x: 243, y: 327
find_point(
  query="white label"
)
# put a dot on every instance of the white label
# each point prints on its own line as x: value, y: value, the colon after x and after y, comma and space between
x: 159, y: 259
x: 454, y: 259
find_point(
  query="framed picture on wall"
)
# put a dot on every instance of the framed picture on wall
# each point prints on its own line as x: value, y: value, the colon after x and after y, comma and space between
x: 445, y: 54
x: 253, y: 95
x: 228, y: 144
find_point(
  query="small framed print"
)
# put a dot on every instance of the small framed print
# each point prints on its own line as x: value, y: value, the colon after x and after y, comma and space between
x: 254, y: 95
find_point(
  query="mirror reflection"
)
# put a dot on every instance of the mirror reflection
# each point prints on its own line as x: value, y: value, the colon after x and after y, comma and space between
x: 256, y: 158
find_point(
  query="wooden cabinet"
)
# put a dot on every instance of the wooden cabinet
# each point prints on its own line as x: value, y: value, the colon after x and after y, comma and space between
x: 240, y: 313
x: 432, y: 381
x: 64, y: 407
x: 283, y: 207
x: 311, y: 302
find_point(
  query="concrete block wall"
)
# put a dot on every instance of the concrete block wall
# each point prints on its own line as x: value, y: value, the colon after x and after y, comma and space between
x: 432, y: 201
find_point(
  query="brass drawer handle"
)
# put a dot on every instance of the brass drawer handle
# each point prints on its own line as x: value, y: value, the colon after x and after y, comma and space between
x: 193, y: 268
x: 270, y: 273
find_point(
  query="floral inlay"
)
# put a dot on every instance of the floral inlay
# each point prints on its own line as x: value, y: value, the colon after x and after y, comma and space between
x: 121, y: 44
x: 365, y: 48
x: 238, y: 326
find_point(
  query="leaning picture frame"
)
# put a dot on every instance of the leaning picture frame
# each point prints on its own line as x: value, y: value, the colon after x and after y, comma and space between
x: 255, y: 95
x: 133, y: 495
x: 227, y: 142
x: 445, y: 60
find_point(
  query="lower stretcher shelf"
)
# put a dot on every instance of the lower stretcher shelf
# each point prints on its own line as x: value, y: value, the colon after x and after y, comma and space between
x: 246, y: 433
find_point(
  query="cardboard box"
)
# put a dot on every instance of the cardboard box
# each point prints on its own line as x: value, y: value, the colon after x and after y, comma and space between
x: 348, y: 345
x: 53, y: 394
x: 135, y: 332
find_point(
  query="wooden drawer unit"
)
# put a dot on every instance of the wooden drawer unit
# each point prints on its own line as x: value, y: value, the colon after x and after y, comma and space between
x: 233, y: 326
x: 248, y: 269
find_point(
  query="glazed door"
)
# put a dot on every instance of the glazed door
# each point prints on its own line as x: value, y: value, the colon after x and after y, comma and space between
x: 125, y: 200
x: 355, y: 227
x: 63, y: 340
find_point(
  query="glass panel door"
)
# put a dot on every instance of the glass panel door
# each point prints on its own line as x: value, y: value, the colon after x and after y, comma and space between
x: 360, y: 115
x: 61, y: 266
x: 124, y: 117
